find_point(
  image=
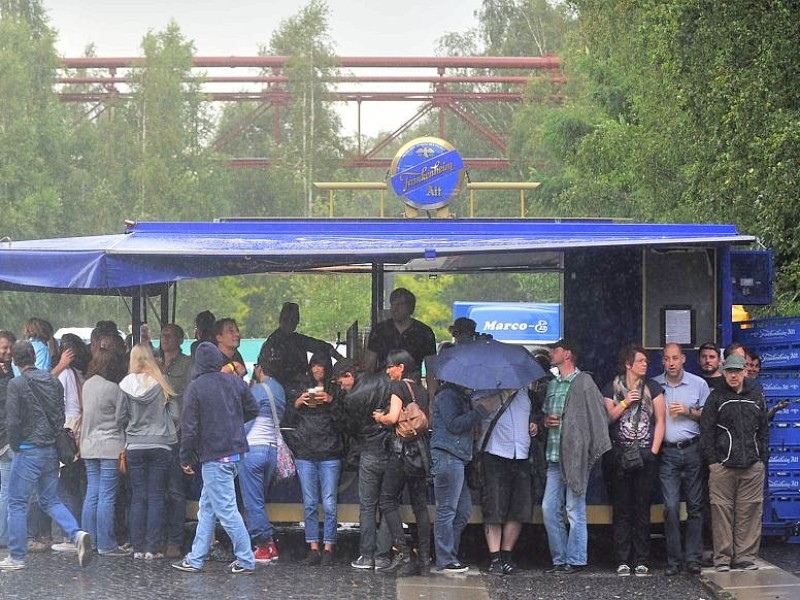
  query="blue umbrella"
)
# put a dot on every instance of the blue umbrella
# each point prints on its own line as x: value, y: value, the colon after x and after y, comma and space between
x: 486, y: 365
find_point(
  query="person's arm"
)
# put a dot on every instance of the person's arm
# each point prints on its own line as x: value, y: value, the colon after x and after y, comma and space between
x: 390, y: 418
x: 455, y: 419
x: 249, y: 405
x: 660, y: 412
x: 708, y: 425
x: 64, y: 361
x: 14, y: 409
x: 615, y: 410
x: 121, y: 412
x: 190, y: 422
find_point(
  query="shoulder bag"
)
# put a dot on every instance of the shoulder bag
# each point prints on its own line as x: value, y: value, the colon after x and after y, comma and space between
x: 286, y: 468
x: 413, y: 421
x: 475, y: 474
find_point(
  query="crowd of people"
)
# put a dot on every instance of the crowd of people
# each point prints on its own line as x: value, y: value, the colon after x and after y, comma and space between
x: 147, y: 420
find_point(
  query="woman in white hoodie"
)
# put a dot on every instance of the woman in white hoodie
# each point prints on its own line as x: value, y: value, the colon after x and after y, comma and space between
x: 149, y: 417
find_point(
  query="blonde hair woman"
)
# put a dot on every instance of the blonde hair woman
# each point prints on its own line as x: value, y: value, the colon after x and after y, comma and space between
x: 149, y: 418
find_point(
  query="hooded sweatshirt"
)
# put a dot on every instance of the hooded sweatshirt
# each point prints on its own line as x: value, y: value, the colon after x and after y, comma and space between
x: 215, y: 408
x: 148, y: 417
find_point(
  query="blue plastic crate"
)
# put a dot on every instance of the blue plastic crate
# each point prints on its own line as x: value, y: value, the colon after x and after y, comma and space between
x: 780, y: 383
x: 785, y: 507
x: 779, y: 356
x: 790, y: 413
x: 783, y: 481
x: 784, y: 434
x: 784, y: 459
x: 767, y: 331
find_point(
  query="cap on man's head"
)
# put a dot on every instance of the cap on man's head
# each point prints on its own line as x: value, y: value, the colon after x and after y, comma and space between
x: 462, y: 325
x: 734, y: 362
x: 565, y: 344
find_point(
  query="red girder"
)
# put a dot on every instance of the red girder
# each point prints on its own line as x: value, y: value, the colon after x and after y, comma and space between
x: 445, y: 90
x: 538, y: 63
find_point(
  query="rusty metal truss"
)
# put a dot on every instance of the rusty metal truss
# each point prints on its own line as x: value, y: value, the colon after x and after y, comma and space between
x: 444, y: 85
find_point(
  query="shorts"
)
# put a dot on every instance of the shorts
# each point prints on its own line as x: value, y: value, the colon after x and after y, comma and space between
x: 506, y: 492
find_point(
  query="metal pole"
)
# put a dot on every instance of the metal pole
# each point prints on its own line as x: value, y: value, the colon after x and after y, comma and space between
x: 136, y: 314
x: 377, y: 293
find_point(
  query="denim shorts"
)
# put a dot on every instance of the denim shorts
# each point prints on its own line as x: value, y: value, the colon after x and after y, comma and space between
x: 506, y: 492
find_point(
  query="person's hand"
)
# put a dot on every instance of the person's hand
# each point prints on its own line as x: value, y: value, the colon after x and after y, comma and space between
x: 533, y: 429
x: 378, y: 417
x: 187, y: 469
x: 490, y: 403
x: 66, y: 358
x: 632, y: 396
x: 781, y: 405
x: 551, y: 421
x: 324, y: 397
x: 302, y: 399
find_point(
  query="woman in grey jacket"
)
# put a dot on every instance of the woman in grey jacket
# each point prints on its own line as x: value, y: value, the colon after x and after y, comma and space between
x: 149, y: 417
x: 102, y: 440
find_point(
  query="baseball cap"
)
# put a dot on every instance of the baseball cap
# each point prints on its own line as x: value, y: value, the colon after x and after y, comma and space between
x: 462, y: 325
x: 734, y: 362
x: 565, y: 344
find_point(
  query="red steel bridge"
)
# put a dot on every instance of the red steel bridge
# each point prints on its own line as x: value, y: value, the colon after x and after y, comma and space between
x: 438, y: 85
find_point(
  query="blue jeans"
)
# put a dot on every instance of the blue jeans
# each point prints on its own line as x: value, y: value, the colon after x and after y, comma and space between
x: 149, y: 471
x: 319, y: 477
x: 371, y: 471
x: 97, y: 518
x: 453, y: 505
x: 559, y: 506
x: 679, y: 472
x: 255, y: 477
x: 5, y: 479
x: 218, y: 501
x: 35, y: 470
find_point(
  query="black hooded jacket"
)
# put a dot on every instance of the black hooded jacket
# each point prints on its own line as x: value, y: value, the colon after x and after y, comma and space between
x: 733, y: 427
x: 215, y: 408
x: 34, y: 409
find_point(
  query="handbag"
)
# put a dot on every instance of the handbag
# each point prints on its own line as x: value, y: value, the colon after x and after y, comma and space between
x: 285, y: 469
x: 630, y: 459
x: 413, y: 421
x: 65, y: 443
x: 476, y: 476
x: 415, y: 457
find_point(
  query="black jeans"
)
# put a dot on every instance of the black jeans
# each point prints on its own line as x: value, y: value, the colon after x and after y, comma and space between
x: 417, y: 488
x: 371, y: 475
x: 632, y: 492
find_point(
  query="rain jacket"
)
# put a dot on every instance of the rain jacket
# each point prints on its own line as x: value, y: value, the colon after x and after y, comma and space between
x: 144, y: 412
x: 215, y: 408
x: 733, y: 427
x: 29, y: 417
x: 453, y: 422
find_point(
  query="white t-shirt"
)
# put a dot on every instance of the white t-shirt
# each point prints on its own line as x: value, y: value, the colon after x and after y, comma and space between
x: 72, y: 403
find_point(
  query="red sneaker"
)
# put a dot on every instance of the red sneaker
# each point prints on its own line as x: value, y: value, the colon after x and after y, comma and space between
x: 272, y: 550
x: 262, y: 554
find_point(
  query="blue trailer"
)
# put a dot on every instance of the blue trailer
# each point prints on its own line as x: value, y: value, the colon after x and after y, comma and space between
x: 621, y: 281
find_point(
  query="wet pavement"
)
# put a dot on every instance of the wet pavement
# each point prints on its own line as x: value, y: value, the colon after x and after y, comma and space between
x: 55, y: 574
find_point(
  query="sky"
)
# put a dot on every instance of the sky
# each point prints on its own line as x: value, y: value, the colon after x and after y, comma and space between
x: 239, y: 27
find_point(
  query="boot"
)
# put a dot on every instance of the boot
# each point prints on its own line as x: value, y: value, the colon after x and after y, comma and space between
x: 419, y: 565
x: 401, y: 559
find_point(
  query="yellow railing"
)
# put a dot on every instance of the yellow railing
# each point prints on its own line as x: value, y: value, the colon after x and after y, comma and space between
x: 334, y: 186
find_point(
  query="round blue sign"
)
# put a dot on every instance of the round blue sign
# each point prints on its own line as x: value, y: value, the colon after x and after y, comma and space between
x: 427, y: 172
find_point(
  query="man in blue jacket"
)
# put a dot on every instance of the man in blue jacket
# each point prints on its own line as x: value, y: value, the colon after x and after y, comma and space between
x: 215, y: 408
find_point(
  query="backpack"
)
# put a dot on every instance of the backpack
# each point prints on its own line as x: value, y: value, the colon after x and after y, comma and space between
x: 413, y: 421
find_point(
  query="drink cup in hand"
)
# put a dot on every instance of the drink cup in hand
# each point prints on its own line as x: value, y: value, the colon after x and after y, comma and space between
x: 675, y: 409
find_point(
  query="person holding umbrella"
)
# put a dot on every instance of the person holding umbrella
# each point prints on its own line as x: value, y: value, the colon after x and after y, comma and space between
x: 492, y: 367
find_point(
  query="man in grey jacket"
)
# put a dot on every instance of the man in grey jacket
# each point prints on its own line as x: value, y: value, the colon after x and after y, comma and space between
x: 577, y: 436
x: 35, y: 412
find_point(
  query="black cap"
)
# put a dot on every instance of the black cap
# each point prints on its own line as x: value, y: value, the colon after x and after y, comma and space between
x: 565, y: 344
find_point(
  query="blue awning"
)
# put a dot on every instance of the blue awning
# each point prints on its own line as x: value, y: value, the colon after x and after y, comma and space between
x: 160, y: 252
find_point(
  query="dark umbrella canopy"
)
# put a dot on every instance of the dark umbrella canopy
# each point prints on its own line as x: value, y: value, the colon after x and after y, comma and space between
x: 486, y: 365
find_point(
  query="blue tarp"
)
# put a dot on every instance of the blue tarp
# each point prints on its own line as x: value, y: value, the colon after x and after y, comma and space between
x: 160, y: 252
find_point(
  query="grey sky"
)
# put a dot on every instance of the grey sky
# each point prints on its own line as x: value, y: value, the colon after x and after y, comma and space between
x: 239, y: 27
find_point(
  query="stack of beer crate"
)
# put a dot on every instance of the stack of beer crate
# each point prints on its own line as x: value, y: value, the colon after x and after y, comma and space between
x: 777, y: 342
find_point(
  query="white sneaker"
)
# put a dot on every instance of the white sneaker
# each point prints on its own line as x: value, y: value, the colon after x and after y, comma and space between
x: 623, y: 570
x: 83, y: 543
x: 9, y: 564
x: 64, y: 547
x: 153, y: 555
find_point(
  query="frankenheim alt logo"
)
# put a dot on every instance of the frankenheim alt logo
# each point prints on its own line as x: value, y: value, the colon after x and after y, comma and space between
x: 427, y: 172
